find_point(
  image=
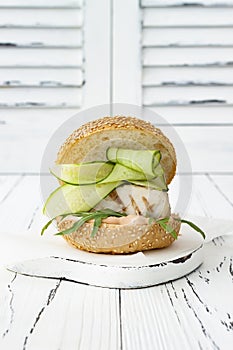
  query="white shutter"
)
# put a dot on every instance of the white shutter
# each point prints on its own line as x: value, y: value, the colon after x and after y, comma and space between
x: 41, y: 76
x: 41, y: 54
x: 187, y: 74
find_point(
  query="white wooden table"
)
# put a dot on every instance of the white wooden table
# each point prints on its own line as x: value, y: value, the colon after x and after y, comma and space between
x: 194, y: 312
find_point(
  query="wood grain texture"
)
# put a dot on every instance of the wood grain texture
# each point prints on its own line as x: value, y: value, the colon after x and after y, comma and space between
x: 196, y: 115
x: 32, y: 138
x: 30, y: 304
x: 187, y: 312
x: 190, y: 37
x: 27, y: 57
x: 126, y: 77
x: 193, y: 95
x: 201, y: 142
x: 41, y: 38
x: 36, y: 313
x: 41, y: 3
x: 41, y: 18
x: 187, y: 56
x: 184, y: 3
x: 187, y: 17
x: 16, y: 197
x: 187, y: 76
x: 41, y: 97
x: 224, y: 186
x: 43, y: 78
x: 98, y: 70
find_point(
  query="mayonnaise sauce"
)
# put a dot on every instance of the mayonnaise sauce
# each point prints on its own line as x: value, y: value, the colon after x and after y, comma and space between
x: 123, y: 220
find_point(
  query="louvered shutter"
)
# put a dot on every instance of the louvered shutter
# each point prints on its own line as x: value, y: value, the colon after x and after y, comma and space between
x: 41, y: 76
x: 41, y: 56
x: 187, y: 74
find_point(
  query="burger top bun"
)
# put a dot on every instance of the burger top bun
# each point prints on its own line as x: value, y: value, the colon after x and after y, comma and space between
x: 91, y: 140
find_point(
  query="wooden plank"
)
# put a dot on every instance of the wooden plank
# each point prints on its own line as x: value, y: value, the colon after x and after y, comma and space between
x: 41, y: 3
x: 199, y: 140
x: 198, y: 195
x: 193, y: 95
x: 183, y: 76
x: 66, y: 37
x: 29, y: 306
x: 40, y: 97
x: 189, y: 37
x: 184, y: 195
x: 97, y: 53
x: 191, y: 3
x: 40, y: 57
x: 187, y: 56
x: 223, y: 184
x: 31, y: 77
x: 201, y: 115
x: 199, y: 316
x: 84, y: 331
x: 26, y: 132
x: 19, y: 203
x: 7, y: 185
x: 187, y: 17
x: 26, y: 300
x: 126, y: 78
x: 212, y: 202
x: 204, y: 145
x: 41, y: 18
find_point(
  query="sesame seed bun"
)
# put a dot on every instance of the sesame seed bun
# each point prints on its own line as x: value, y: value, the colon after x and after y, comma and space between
x: 89, y: 143
x: 91, y: 140
x: 119, y: 239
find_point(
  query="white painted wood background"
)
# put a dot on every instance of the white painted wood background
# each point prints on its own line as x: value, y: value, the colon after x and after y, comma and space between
x: 63, y: 57
x: 49, y: 69
x: 194, y: 312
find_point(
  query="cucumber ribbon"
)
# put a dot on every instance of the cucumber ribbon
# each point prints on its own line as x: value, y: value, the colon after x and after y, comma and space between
x: 86, y: 184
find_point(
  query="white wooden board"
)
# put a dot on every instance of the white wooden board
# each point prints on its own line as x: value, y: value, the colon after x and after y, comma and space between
x: 191, y: 3
x: 196, y: 115
x: 69, y: 38
x: 41, y: 18
x: 187, y: 37
x: 188, y: 17
x: 187, y: 76
x: 187, y: 56
x: 33, y: 78
x: 41, y: 3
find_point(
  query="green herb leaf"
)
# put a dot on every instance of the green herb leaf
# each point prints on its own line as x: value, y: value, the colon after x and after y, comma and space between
x: 97, y: 223
x: 97, y: 216
x: 151, y: 220
x: 191, y: 224
x: 164, y: 224
x: 46, y: 226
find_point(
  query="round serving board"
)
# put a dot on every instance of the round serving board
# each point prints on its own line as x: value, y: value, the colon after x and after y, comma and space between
x: 137, y: 270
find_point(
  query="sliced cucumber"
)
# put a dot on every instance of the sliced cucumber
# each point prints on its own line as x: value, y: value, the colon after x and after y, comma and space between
x: 83, y: 173
x: 121, y: 173
x: 72, y: 199
x: 157, y: 183
x: 86, y: 184
x: 144, y: 161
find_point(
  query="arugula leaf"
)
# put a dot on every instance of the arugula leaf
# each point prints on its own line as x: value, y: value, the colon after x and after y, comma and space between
x: 164, y: 224
x: 97, y: 216
x: 46, y: 226
x: 191, y: 224
x: 97, y: 223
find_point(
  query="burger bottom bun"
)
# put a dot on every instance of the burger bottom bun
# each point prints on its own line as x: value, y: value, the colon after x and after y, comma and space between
x: 119, y: 239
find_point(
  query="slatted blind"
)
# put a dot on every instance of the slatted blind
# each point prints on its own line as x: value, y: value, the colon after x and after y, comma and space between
x: 187, y: 59
x: 41, y: 53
